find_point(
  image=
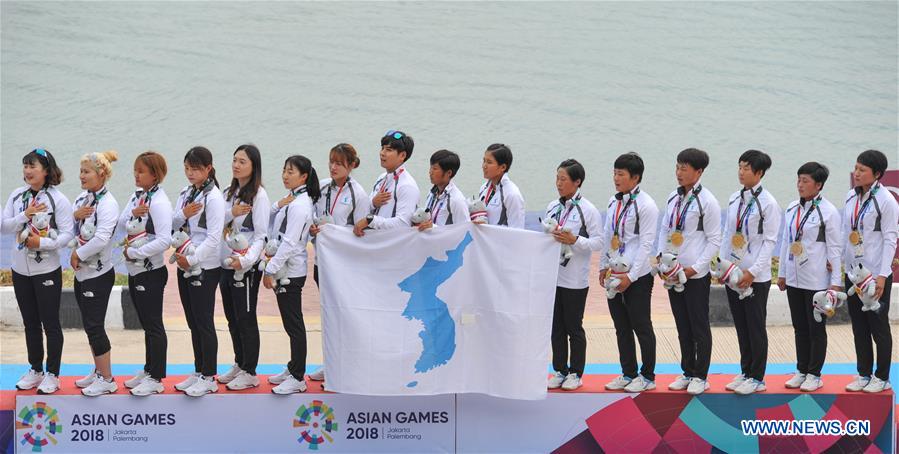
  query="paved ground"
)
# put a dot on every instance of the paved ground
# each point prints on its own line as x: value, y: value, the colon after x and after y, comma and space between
x: 128, y: 346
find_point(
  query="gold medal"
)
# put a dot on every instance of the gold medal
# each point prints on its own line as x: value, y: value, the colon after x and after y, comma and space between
x: 676, y: 238
x: 855, y: 238
x: 738, y: 241
x: 796, y: 249
x: 615, y: 243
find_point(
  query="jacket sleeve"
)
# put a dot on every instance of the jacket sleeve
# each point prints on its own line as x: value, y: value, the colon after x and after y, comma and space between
x: 784, y: 241
x: 124, y: 217
x: 297, y: 222
x: 772, y: 223
x: 11, y: 219
x: 833, y: 234
x: 649, y: 216
x: 711, y: 225
x: 662, y: 237
x: 606, y: 240
x: 889, y: 219
x: 594, y: 229
x: 178, y: 218
x: 515, y: 211
x: 460, y: 210
x: 363, y: 204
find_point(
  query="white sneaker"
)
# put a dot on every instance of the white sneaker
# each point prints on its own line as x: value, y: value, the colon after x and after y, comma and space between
x: 618, y: 383
x: 100, y: 386
x: 796, y: 381
x: 736, y: 382
x: 290, y: 386
x: 318, y: 375
x: 202, y: 387
x: 191, y: 379
x: 877, y: 385
x: 858, y: 384
x: 640, y: 384
x: 243, y: 380
x: 30, y: 380
x: 148, y: 386
x: 49, y: 385
x: 572, y: 382
x: 750, y: 386
x: 228, y: 376
x: 698, y: 386
x: 680, y: 383
x: 555, y: 381
x: 134, y: 381
x: 811, y: 383
x: 87, y: 380
x: 278, y: 379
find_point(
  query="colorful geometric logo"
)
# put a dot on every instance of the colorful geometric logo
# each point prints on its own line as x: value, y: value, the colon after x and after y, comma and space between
x: 40, y: 424
x: 316, y: 423
x: 711, y: 422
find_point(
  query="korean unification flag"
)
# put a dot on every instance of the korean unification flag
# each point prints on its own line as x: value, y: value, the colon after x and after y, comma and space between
x: 456, y: 309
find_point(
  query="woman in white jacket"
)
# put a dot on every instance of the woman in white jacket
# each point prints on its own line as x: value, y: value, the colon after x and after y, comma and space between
x: 579, y: 227
x: 147, y: 272
x: 246, y: 220
x: 200, y: 211
x: 36, y: 274
x: 91, y: 259
x: 503, y: 199
x: 343, y: 199
x: 291, y: 230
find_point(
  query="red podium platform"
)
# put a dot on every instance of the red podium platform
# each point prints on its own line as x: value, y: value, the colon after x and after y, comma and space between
x: 589, y: 419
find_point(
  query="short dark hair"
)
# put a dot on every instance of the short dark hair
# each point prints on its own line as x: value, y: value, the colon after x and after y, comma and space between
x: 874, y: 159
x: 757, y: 160
x: 817, y: 171
x: 574, y: 170
x: 399, y: 141
x: 694, y: 158
x: 502, y: 154
x: 447, y: 160
x: 46, y: 160
x: 632, y: 162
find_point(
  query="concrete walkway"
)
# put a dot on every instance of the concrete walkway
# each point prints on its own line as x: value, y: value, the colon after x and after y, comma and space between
x: 128, y: 345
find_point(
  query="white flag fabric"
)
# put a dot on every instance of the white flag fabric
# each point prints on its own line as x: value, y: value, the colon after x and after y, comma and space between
x: 456, y: 309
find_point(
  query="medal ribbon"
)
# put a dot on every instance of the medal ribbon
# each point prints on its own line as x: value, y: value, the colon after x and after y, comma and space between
x: 797, y: 234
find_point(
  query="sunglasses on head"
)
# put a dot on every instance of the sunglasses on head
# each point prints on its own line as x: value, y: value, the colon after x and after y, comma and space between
x: 394, y: 133
x: 40, y: 152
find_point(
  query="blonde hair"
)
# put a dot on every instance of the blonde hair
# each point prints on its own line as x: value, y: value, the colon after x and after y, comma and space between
x: 101, y: 162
